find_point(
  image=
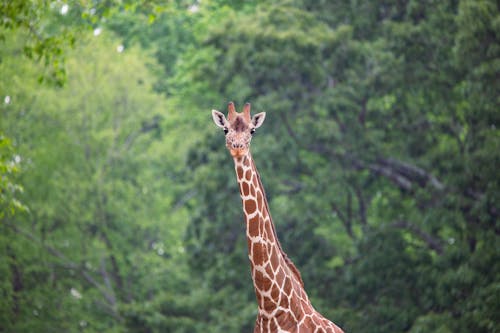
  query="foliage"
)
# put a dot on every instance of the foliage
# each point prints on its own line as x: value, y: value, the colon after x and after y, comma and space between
x: 118, y: 199
x: 93, y: 161
x: 9, y: 189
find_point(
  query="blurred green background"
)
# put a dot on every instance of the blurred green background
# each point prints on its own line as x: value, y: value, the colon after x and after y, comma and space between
x: 119, y: 209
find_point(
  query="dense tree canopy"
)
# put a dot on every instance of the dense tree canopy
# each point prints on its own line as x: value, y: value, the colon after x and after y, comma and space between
x: 119, y: 205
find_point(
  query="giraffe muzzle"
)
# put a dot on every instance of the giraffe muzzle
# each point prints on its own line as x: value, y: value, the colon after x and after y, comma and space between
x: 238, y: 152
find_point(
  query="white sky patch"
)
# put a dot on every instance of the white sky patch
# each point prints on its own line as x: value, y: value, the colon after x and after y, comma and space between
x: 159, y: 248
x: 75, y: 293
x: 195, y: 7
x: 97, y: 31
x: 7, y: 100
x: 120, y: 48
x: 64, y: 9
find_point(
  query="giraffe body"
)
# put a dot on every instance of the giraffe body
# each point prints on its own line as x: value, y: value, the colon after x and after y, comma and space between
x: 283, y: 304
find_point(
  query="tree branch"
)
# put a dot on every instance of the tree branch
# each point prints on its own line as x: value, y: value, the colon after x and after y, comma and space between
x: 411, y: 172
x: 431, y: 241
x: 361, y: 205
x: 69, y: 264
x: 107, y: 281
x: 345, y: 220
x: 401, y: 181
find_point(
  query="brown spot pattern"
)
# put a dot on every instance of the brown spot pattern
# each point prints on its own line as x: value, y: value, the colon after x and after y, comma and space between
x: 253, y: 227
x: 259, y: 201
x: 269, y: 304
x: 260, y: 280
x: 250, y: 206
x: 239, y: 172
x: 259, y: 254
x: 274, y: 259
x: 245, y: 189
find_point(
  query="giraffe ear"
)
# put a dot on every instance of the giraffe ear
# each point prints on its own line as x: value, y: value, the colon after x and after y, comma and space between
x: 219, y: 119
x: 258, y: 119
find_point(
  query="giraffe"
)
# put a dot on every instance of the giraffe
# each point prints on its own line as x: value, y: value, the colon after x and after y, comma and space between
x: 283, y: 304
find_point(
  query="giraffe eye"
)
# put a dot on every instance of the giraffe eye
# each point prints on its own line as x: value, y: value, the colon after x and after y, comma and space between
x: 226, y: 130
x: 252, y: 131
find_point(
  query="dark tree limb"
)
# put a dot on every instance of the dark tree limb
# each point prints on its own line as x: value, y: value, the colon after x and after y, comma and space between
x: 346, y: 221
x: 401, y: 181
x: 431, y: 241
x: 411, y: 172
x: 361, y: 206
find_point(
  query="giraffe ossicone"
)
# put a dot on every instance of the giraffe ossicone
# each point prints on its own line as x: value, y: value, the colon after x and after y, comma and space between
x: 283, y: 304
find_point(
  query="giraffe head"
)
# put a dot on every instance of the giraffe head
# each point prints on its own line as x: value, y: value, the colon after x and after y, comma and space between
x: 238, y: 128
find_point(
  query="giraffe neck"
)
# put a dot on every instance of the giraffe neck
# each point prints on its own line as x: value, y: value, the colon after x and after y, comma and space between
x: 277, y: 281
x: 283, y: 303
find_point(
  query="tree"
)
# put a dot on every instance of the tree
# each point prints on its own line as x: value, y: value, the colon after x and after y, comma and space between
x: 344, y: 92
x: 53, y: 27
x: 90, y: 243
